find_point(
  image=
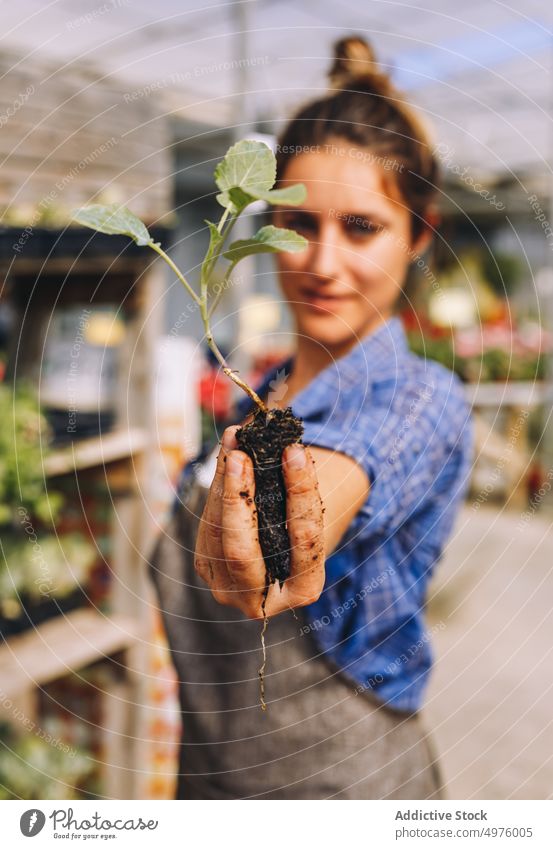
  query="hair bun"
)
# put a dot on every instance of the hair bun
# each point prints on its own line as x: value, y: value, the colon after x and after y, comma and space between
x: 355, y: 67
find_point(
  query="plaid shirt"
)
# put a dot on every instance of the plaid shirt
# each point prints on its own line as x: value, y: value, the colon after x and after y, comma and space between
x: 406, y: 422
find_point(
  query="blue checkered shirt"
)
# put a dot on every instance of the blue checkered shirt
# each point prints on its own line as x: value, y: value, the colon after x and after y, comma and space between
x: 406, y: 422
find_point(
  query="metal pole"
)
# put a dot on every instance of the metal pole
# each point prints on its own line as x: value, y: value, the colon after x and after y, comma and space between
x: 547, y: 294
x: 244, y: 124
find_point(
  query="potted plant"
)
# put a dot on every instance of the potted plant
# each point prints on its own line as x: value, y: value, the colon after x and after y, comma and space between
x: 33, y: 768
x: 245, y: 175
x: 41, y: 574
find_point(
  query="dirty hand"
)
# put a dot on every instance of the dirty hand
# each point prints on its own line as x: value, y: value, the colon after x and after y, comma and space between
x: 228, y: 555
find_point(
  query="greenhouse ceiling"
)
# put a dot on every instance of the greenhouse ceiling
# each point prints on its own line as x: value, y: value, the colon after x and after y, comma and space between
x: 481, y: 71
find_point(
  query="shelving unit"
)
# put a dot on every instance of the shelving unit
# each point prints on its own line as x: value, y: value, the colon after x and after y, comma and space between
x: 116, y: 462
x: 62, y: 645
x: 96, y: 451
x: 57, y: 160
x: 502, y: 449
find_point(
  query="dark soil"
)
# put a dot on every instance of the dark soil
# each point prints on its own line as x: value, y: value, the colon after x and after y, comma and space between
x: 264, y: 439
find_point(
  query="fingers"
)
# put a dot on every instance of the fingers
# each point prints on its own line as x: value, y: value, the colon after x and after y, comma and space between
x: 229, y: 437
x: 201, y: 558
x: 304, y: 514
x: 228, y: 553
x: 240, y: 533
x: 209, y: 560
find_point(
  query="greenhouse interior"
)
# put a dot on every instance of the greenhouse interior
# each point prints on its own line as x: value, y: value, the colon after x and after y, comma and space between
x: 109, y: 386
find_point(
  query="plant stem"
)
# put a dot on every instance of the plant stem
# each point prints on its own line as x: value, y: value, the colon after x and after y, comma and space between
x: 224, y: 217
x: 207, y: 268
x: 205, y: 275
x: 227, y: 370
x: 201, y: 301
x: 219, y: 294
x: 159, y: 250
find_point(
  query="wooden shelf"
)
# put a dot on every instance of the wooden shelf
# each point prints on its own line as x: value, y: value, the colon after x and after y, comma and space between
x: 97, y: 451
x: 60, y: 646
x: 497, y: 394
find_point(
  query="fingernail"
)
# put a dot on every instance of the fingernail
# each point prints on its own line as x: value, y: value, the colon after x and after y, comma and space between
x: 295, y: 457
x: 234, y: 465
x: 229, y: 440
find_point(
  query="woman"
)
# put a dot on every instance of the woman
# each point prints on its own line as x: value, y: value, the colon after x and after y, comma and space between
x: 370, y: 501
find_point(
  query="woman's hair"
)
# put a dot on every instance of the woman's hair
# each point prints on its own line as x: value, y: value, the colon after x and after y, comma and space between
x: 365, y: 108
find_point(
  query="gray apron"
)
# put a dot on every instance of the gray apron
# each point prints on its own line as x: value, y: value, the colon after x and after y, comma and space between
x: 318, y: 738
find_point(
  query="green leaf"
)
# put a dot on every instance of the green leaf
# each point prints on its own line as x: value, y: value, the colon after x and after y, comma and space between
x: 268, y: 239
x: 247, y: 165
x: 215, y: 238
x: 290, y: 196
x: 113, y: 219
x: 237, y: 198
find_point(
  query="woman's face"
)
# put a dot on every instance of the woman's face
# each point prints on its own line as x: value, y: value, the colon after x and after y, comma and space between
x: 347, y: 280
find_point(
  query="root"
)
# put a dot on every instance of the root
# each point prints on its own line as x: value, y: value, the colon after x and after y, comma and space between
x: 261, y: 671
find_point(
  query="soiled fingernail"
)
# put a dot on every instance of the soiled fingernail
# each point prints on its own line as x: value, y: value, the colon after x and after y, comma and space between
x: 229, y: 440
x: 234, y: 465
x: 295, y: 457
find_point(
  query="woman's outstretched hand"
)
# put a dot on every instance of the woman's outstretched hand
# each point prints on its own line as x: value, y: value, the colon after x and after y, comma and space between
x: 228, y: 554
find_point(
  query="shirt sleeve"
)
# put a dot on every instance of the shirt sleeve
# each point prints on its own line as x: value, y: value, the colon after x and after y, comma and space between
x: 414, y: 449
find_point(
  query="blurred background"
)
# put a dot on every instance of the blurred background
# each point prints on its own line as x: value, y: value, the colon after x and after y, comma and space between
x: 107, y: 387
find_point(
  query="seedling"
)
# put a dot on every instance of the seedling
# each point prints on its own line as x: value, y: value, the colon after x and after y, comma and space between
x: 246, y: 174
